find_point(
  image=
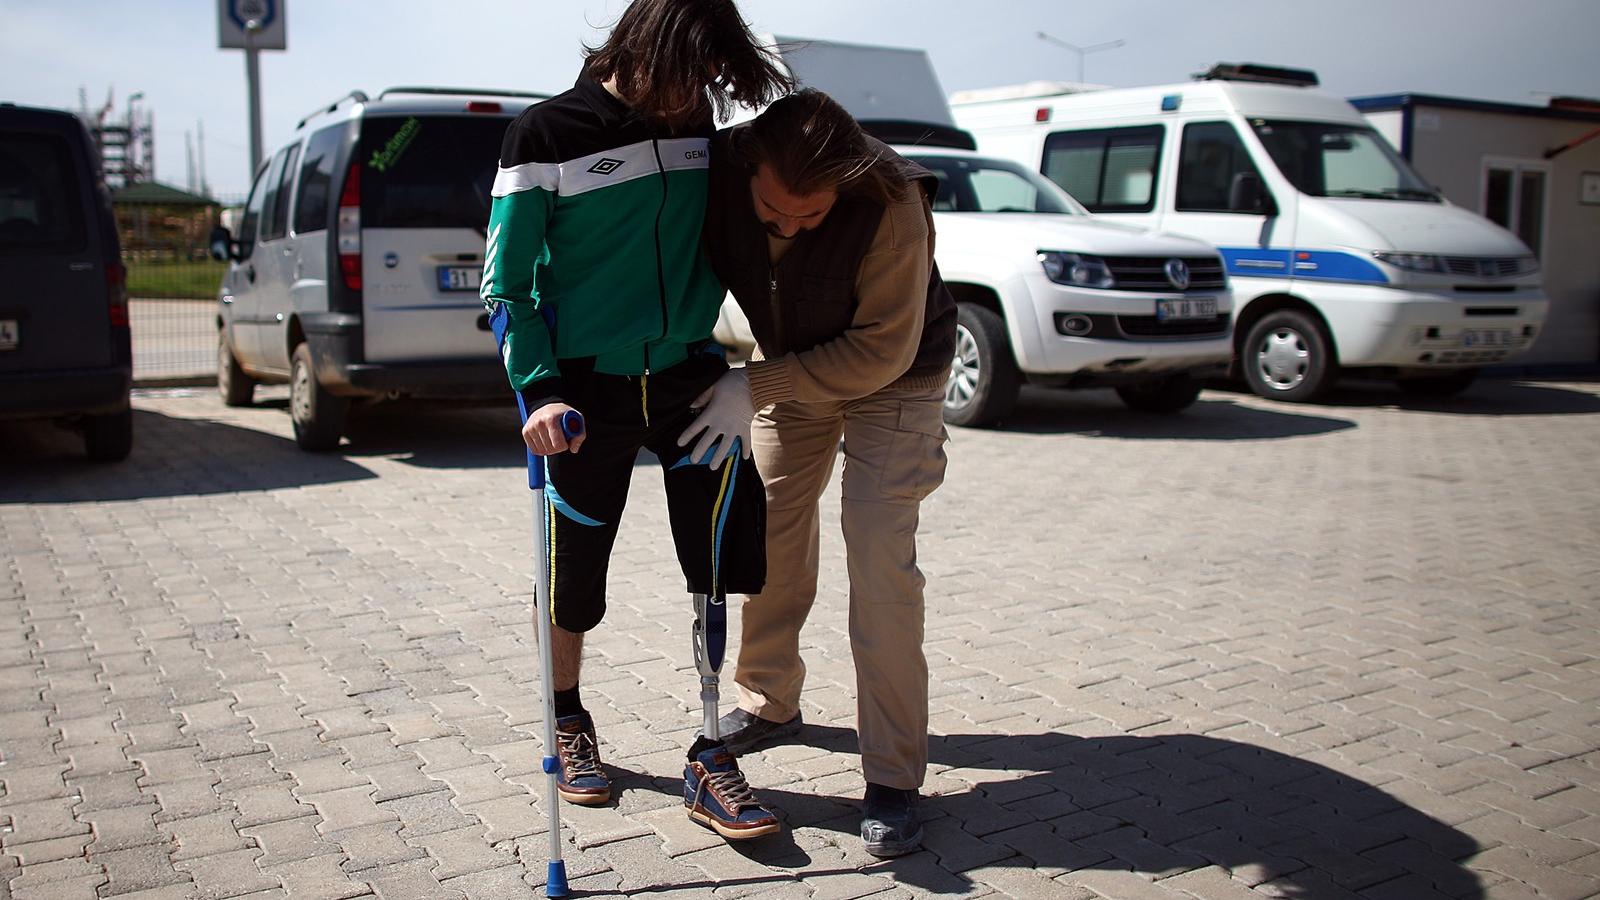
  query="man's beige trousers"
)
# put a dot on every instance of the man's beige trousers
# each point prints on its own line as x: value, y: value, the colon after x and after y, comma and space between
x: 893, y: 458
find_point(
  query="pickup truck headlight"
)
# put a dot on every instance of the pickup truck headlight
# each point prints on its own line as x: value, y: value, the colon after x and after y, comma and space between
x: 1413, y: 262
x: 1076, y: 268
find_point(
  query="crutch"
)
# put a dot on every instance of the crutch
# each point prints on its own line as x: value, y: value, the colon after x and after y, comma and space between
x: 555, y: 884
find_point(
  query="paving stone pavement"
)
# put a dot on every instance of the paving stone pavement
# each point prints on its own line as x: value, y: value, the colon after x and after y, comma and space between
x: 1256, y: 650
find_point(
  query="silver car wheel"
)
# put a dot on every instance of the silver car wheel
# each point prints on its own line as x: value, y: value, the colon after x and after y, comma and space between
x: 300, y: 388
x: 965, y: 371
x: 1283, y: 359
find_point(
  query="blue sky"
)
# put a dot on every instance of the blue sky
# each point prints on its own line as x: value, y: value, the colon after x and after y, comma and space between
x: 1488, y: 49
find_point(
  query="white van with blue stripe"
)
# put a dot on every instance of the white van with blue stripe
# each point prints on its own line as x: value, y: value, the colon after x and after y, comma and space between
x: 1343, y: 257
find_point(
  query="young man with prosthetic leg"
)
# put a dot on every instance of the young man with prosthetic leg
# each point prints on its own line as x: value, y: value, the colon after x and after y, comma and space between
x: 594, y: 254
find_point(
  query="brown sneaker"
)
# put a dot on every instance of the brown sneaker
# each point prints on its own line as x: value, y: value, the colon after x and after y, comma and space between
x: 718, y: 797
x: 581, y: 779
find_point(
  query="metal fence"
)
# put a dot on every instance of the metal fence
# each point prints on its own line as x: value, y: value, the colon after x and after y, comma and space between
x: 172, y: 289
x: 172, y: 310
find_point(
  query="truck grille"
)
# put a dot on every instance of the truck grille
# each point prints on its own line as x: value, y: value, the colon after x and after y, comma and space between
x: 1149, y: 273
x: 1484, y: 266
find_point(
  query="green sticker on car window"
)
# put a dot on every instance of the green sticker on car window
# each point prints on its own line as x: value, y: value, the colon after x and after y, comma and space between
x: 385, y: 159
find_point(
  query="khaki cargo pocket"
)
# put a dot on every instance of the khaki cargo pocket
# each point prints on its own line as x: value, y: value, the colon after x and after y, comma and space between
x: 916, y: 463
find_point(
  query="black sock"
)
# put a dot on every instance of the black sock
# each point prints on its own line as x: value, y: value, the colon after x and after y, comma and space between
x: 568, y: 704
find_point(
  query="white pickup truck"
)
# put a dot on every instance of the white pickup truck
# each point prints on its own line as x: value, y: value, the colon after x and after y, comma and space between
x: 1047, y: 293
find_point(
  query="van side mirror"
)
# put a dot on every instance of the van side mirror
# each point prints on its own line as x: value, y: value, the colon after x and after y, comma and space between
x: 1248, y: 195
x: 222, y: 245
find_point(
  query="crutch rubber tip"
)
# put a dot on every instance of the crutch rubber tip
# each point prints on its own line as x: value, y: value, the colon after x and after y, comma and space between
x: 551, y: 765
x: 555, y: 879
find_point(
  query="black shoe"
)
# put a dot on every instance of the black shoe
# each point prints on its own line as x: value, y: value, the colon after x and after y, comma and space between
x: 741, y: 732
x: 890, y: 824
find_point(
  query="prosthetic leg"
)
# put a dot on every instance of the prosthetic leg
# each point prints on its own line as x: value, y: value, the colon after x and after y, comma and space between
x: 714, y: 790
x: 710, y: 639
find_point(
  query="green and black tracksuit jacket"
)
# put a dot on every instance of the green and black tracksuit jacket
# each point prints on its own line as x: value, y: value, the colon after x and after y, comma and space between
x: 594, y: 248
x: 596, y: 218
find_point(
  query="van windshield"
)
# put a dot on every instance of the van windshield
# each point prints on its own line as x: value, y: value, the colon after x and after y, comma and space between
x: 978, y: 184
x: 428, y: 171
x: 1330, y: 159
x: 39, y: 204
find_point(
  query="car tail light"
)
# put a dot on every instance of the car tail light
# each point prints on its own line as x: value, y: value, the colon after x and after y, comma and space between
x: 117, y: 293
x: 349, y: 232
x: 482, y: 106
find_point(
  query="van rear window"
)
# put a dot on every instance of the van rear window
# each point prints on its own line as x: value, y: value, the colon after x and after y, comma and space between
x: 428, y: 171
x: 40, y: 205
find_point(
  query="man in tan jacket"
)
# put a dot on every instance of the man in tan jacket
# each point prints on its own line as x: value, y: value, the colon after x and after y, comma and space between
x: 825, y: 238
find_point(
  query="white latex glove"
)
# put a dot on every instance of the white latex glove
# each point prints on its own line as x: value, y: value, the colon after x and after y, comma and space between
x: 725, y: 413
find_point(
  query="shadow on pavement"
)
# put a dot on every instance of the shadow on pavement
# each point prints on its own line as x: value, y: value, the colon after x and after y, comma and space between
x: 1098, y: 413
x: 1159, y: 804
x: 1486, y: 397
x: 435, y: 436
x: 171, y: 457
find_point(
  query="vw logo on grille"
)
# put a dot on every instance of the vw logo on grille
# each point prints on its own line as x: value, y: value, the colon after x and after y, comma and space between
x: 1178, y: 274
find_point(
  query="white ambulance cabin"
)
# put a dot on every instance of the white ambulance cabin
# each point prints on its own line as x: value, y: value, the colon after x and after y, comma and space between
x: 1534, y: 170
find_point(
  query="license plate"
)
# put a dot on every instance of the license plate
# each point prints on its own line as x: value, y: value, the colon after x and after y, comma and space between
x: 10, y: 334
x: 1187, y: 308
x: 1499, y: 337
x: 460, y: 278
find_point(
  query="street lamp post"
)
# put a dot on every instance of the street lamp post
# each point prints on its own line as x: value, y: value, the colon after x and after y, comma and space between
x: 1081, y: 51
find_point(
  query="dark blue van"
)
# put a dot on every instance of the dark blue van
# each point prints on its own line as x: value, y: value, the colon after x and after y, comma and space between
x: 65, y: 351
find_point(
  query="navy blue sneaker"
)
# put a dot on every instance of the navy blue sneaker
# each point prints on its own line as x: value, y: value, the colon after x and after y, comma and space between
x: 890, y: 823
x: 580, y: 778
x: 717, y: 796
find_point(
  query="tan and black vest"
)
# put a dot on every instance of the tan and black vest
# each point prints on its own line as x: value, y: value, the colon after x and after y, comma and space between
x: 817, y: 275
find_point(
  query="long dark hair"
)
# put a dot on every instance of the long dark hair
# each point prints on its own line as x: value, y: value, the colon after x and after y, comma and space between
x: 664, y: 54
x: 812, y: 145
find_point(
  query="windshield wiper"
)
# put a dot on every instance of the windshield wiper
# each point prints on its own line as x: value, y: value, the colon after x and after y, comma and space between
x: 1387, y: 194
x: 1410, y: 194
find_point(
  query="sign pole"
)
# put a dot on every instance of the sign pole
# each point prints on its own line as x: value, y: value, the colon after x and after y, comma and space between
x: 252, y: 26
x: 252, y: 77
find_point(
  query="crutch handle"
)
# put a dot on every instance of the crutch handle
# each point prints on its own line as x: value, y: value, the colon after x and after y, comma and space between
x: 571, y: 427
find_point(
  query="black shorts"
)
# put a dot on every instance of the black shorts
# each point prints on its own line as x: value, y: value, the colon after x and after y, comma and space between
x: 718, y: 516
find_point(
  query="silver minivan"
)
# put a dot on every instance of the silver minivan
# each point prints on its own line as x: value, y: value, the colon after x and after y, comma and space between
x: 356, y: 267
